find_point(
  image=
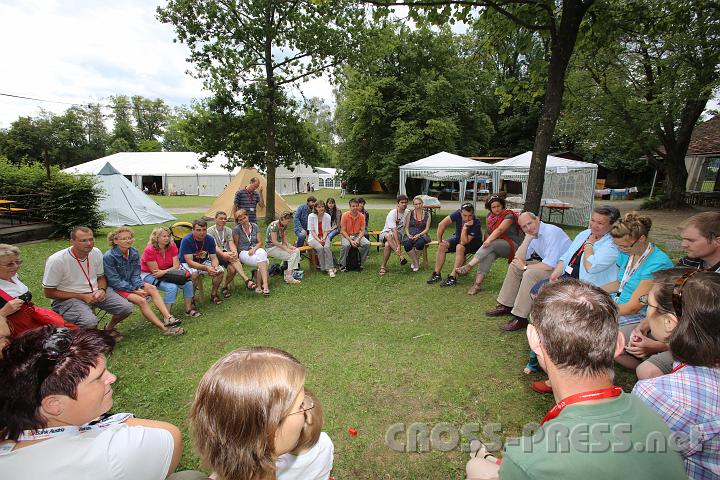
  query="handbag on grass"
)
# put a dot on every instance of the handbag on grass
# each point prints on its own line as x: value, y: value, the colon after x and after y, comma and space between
x: 178, y: 277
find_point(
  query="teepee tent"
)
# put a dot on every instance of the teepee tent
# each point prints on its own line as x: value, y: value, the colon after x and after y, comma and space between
x: 125, y: 204
x: 224, y: 201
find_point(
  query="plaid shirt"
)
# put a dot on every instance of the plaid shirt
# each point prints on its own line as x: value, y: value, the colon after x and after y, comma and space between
x: 689, y: 402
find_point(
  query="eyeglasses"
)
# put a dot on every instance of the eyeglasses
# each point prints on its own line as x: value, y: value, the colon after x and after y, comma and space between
x: 17, y: 263
x: 307, y: 404
x: 678, y: 291
x: 54, y: 347
x: 628, y: 247
x: 644, y: 300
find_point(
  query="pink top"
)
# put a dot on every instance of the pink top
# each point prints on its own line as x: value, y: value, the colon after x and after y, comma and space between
x: 152, y: 255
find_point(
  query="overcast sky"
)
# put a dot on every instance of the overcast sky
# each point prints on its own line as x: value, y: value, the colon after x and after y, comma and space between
x: 82, y: 51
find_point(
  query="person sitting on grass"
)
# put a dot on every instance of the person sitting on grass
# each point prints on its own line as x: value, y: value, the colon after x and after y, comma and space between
x: 54, y: 403
x: 75, y: 282
x: 277, y: 246
x: 319, y: 228
x: 246, y: 236
x: 226, y: 252
x: 546, y: 241
x: 701, y: 241
x: 198, y: 255
x: 466, y: 239
x: 300, y: 220
x: 249, y: 409
x: 122, y: 269
x: 312, y: 457
x: 335, y: 216
x: 416, y: 236
x: 159, y: 258
x: 366, y: 215
x: 392, y: 233
x: 352, y: 226
x: 684, y: 312
x: 503, y: 237
x: 638, y: 260
x: 575, y: 336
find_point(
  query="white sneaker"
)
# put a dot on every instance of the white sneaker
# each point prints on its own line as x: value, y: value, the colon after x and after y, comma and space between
x: 331, y: 272
x: 415, y: 268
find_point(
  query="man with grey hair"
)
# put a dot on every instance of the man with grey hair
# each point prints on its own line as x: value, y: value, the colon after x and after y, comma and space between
x: 595, y: 428
x: 542, y: 240
x: 74, y: 280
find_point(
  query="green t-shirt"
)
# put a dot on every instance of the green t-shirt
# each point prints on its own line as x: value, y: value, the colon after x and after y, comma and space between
x: 621, y: 438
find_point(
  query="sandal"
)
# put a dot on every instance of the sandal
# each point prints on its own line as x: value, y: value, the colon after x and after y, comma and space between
x: 463, y: 270
x: 115, y: 334
x: 225, y: 292
x: 475, y: 289
x: 215, y: 299
x: 266, y: 292
x: 291, y: 280
x: 249, y: 284
x: 173, y: 332
x: 172, y: 321
x: 382, y: 271
x: 403, y: 261
x: 192, y: 313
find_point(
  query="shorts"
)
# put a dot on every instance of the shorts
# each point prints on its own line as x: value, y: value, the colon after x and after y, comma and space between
x: 471, y: 247
x: 662, y: 360
x: 207, y: 263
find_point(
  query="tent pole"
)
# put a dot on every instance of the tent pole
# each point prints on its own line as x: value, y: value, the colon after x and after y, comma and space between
x: 652, y: 189
x: 475, y: 192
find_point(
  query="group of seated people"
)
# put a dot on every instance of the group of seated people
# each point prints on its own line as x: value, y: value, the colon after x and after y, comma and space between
x: 610, y: 295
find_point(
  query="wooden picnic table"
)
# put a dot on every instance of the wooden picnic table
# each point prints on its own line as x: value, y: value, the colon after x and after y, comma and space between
x: 7, y: 208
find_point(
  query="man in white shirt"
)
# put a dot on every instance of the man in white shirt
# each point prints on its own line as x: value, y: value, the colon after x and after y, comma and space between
x: 74, y: 279
x: 546, y: 241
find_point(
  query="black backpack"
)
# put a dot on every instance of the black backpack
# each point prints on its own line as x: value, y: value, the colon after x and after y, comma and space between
x: 352, y: 262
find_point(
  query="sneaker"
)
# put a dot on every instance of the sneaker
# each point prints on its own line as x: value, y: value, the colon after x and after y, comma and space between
x: 343, y: 269
x: 434, y: 278
x: 415, y: 268
x: 450, y: 281
x: 331, y: 272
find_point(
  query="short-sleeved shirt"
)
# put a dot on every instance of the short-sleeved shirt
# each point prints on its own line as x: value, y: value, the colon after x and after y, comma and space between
x: 119, y: 452
x: 395, y: 219
x: 564, y: 449
x: 689, y: 403
x: 246, y: 242
x: 657, y: 260
x: 248, y: 201
x: 200, y: 251
x: 63, y: 272
x: 164, y: 260
x: 315, y: 464
x: 698, y: 263
x: 474, y: 231
x: 550, y: 244
x: 352, y: 225
x: 222, y: 239
x: 279, y: 234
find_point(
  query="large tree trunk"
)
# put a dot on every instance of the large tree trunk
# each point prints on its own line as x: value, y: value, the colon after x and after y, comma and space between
x: 561, y: 50
x: 270, y: 150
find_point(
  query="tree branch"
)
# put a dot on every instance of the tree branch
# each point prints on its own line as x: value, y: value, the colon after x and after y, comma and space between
x: 308, y: 73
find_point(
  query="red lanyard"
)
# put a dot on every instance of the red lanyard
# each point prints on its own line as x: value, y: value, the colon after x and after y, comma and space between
x: 679, y: 366
x: 251, y: 195
x: 581, y: 397
x: 87, y: 275
x: 200, y: 247
x: 577, y: 255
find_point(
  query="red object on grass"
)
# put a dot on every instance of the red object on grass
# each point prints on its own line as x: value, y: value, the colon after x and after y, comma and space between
x: 353, y: 432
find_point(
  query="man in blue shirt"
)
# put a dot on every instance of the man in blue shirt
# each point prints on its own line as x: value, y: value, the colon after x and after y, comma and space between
x: 300, y: 220
x: 468, y: 238
x: 546, y: 241
x: 197, y: 254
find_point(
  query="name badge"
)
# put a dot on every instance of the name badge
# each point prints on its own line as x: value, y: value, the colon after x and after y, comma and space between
x: 568, y: 270
x: 251, y: 209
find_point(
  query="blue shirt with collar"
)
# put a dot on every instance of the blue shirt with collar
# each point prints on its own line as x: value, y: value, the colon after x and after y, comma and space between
x: 122, y: 273
x: 604, y: 267
x: 300, y: 219
x: 550, y: 244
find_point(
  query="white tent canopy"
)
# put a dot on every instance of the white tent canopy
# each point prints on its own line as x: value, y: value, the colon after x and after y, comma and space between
x: 328, y: 177
x: 289, y: 181
x: 125, y: 204
x: 443, y: 166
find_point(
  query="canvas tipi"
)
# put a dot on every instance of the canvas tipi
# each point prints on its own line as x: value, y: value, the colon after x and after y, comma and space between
x: 125, y: 204
x: 224, y: 201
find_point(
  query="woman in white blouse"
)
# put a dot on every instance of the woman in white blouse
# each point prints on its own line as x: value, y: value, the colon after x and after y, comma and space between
x: 319, y: 226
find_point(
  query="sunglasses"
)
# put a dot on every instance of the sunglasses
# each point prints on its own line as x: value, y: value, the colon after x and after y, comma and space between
x: 678, y: 291
x: 54, y: 347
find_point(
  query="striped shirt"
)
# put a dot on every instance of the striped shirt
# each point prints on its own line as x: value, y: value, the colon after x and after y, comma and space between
x: 248, y: 201
x: 689, y: 403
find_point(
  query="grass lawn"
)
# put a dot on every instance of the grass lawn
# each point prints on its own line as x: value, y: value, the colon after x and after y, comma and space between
x: 378, y: 351
x: 184, y: 201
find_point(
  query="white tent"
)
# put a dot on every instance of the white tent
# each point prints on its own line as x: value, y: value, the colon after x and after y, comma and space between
x: 289, y: 181
x: 443, y: 166
x: 174, y: 172
x: 125, y: 204
x: 328, y: 177
x: 569, y: 181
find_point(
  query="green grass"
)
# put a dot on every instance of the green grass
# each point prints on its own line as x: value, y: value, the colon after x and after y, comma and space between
x: 183, y: 201
x: 378, y: 350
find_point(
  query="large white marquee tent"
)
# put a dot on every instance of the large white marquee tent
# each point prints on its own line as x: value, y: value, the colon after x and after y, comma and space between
x: 568, y: 181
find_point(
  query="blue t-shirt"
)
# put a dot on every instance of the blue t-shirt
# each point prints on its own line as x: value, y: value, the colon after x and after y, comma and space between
x: 475, y: 231
x: 657, y: 260
x: 200, y: 251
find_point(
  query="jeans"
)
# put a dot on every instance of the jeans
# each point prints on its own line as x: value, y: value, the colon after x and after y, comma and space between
x: 301, y: 237
x: 170, y: 289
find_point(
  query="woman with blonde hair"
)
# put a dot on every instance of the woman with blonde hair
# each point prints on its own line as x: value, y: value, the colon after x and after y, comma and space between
x: 159, y: 258
x: 277, y: 246
x: 122, y: 270
x: 249, y: 409
x: 246, y: 236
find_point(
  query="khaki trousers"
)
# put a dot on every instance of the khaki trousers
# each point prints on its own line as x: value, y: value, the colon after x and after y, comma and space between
x: 515, y: 290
